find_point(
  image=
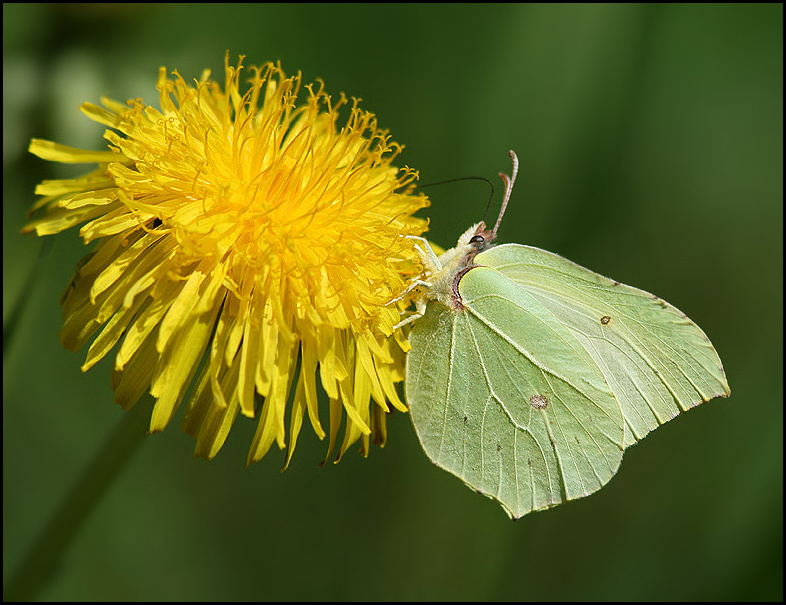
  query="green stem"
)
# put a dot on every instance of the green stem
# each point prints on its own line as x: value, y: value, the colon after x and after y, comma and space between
x: 43, y: 559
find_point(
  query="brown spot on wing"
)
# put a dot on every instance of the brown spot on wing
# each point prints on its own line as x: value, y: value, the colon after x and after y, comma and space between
x: 539, y: 402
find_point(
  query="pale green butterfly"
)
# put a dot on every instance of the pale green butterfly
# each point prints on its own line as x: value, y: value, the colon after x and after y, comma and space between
x: 529, y: 375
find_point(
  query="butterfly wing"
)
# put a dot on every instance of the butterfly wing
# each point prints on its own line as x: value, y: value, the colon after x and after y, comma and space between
x: 657, y: 362
x: 504, y: 396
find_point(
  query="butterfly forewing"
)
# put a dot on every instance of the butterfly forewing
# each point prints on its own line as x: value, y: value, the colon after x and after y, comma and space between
x: 656, y: 360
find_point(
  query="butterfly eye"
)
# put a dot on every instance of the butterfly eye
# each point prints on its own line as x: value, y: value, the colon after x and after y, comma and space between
x: 478, y: 240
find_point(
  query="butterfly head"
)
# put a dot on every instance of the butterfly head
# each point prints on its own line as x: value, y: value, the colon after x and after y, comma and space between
x: 478, y: 238
x: 473, y: 241
x: 482, y: 238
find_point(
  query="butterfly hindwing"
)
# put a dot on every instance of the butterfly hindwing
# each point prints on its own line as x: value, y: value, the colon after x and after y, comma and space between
x: 503, y: 396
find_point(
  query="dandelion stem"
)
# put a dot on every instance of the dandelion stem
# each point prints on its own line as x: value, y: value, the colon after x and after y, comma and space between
x: 44, y: 558
x: 12, y: 319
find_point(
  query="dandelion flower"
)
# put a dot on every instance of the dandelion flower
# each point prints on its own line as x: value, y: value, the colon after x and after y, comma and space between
x: 248, y: 246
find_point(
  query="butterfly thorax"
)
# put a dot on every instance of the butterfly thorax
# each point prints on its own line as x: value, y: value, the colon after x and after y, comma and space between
x: 453, y: 264
x: 442, y: 274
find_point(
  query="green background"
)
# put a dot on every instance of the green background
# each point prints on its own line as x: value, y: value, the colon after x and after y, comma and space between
x: 651, y: 148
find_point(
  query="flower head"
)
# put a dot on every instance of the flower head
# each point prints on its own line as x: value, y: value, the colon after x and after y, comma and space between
x: 247, y: 249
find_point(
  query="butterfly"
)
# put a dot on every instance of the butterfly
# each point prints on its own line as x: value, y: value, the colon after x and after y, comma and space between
x: 529, y: 375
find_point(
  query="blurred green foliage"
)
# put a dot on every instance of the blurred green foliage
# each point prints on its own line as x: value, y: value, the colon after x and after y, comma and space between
x: 651, y: 145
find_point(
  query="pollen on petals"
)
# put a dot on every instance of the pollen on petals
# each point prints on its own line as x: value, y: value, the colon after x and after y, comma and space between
x: 249, y: 239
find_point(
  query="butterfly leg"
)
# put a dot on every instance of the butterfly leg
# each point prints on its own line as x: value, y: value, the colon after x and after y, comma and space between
x: 431, y: 265
x: 426, y: 254
x: 420, y: 305
x: 414, y: 284
x: 420, y: 302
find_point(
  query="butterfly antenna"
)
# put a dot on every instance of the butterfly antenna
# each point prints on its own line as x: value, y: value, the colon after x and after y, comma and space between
x: 465, y: 178
x: 509, y: 181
